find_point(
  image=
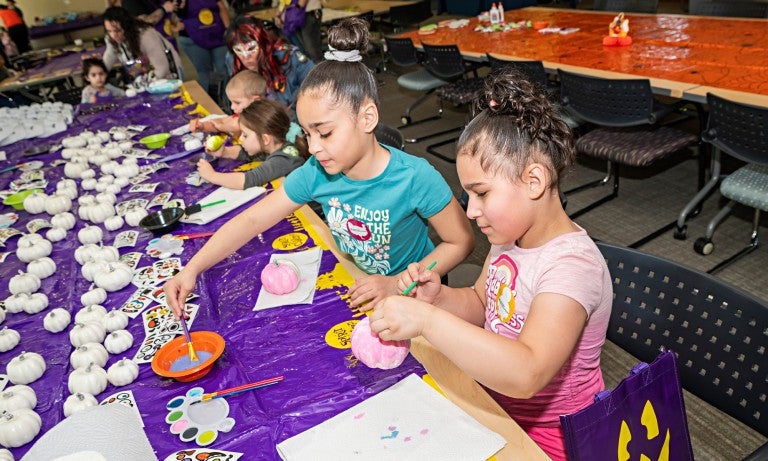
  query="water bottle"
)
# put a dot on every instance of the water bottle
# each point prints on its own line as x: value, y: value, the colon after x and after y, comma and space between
x: 494, y: 14
x: 501, y: 13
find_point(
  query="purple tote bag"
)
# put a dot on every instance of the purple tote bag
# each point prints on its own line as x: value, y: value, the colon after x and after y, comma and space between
x: 643, y: 415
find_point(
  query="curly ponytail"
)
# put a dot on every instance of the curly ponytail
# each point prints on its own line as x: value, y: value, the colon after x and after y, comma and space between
x: 517, y: 125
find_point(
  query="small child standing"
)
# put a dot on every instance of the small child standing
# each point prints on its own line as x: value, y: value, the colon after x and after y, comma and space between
x: 242, y: 89
x: 378, y: 201
x: 264, y: 125
x: 97, y: 90
x: 532, y: 327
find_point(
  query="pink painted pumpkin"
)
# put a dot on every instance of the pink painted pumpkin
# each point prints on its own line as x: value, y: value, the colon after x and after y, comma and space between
x: 372, y: 351
x: 280, y: 277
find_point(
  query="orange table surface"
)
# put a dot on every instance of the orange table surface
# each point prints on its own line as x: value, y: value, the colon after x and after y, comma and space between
x: 681, y: 53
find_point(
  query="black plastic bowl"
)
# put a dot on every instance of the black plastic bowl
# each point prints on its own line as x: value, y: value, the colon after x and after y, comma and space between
x: 162, y: 221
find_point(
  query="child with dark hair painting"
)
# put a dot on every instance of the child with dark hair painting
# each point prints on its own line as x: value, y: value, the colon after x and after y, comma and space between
x: 378, y: 200
x: 532, y: 327
x: 97, y: 89
x: 264, y: 125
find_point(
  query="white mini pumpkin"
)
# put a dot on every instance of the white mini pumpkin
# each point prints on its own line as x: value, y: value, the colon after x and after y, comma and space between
x: 65, y: 220
x: 133, y: 217
x: 78, y: 402
x: 87, y: 173
x: 6, y: 455
x: 65, y: 184
x: 123, y: 372
x: 26, y: 368
x: 90, y: 234
x: 15, y: 304
x: 106, y: 197
x: 114, y: 223
x: 89, y: 353
x: 2, y: 315
x: 91, y: 313
x: 19, y: 427
x: 73, y: 169
x: 37, y: 303
x: 55, y: 234
x: 121, y: 182
x: 115, y: 320
x: 86, y: 199
x: 93, y: 296
x: 8, y: 339
x: 85, y: 253
x: 107, y: 254
x: 118, y: 341
x: 99, y: 212
x: 116, y: 277
x: 69, y: 192
x: 90, y: 379
x: 18, y: 396
x: 89, y: 184
x: 113, y: 188
x: 24, y: 282
x: 57, y: 320
x: 91, y: 268
x: 72, y: 142
x: 42, y: 268
x: 29, y: 250
x: 34, y: 203
x: 57, y: 203
x: 82, y: 333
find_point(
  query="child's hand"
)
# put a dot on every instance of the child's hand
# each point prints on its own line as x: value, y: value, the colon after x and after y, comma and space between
x: 177, y: 289
x: 205, y: 170
x: 370, y: 290
x: 428, y: 282
x: 400, y: 317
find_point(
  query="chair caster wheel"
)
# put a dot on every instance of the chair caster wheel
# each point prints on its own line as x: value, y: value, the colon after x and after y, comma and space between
x: 703, y: 246
x: 405, y: 120
x: 681, y: 233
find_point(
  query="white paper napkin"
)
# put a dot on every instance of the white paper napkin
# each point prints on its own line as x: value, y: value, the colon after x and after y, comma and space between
x: 308, y: 263
x: 234, y: 198
x: 408, y: 421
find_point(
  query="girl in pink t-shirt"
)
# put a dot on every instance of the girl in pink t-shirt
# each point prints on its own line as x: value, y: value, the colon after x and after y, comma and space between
x: 531, y: 328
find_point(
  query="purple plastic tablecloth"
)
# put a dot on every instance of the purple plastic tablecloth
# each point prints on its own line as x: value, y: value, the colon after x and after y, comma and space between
x: 61, y: 27
x: 320, y: 381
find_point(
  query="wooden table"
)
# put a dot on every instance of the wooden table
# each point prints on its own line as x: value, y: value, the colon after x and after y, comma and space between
x: 457, y: 385
x: 683, y: 56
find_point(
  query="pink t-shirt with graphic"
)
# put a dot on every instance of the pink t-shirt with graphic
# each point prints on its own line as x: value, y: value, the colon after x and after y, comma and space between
x: 570, y: 265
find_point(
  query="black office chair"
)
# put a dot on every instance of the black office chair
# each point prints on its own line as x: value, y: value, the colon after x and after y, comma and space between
x: 716, y: 330
x: 390, y: 136
x: 411, y: 15
x: 403, y: 53
x: 737, y: 8
x: 447, y: 63
x: 68, y: 95
x: 738, y: 130
x: 628, y: 129
x: 627, y: 6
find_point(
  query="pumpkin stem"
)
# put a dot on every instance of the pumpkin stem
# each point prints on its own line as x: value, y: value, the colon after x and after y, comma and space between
x: 7, y: 415
x: 88, y: 368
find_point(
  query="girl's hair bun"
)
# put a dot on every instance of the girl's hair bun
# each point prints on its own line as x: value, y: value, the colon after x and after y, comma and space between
x: 350, y: 34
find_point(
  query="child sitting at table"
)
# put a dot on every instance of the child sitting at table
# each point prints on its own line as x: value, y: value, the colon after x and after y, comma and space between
x: 243, y: 88
x: 378, y: 200
x: 264, y: 125
x: 97, y: 90
x: 538, y: 313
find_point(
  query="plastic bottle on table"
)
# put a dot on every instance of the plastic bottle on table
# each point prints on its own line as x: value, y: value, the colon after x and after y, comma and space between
x: 494, y: 14
x: 500, y: 8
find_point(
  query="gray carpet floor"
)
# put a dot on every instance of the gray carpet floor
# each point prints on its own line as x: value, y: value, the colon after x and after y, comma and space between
x: 649, y: 198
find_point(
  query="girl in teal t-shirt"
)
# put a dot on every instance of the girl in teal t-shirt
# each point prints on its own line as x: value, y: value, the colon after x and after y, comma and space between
x: 378, y: 201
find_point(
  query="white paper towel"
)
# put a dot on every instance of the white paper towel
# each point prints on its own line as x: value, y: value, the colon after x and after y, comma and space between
x: 234, y: 198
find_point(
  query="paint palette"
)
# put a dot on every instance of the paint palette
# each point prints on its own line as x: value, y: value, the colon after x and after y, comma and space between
x: 199, y: 422
x: 175, y: 349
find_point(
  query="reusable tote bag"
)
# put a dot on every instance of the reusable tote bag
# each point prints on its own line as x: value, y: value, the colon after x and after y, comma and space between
x: 643, y: 415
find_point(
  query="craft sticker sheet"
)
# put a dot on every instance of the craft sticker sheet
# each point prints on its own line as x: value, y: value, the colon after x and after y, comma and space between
x: 125, y: 398
x: 126, y: 239
x: 138, y: 179
x: 31, y: 174
x: 157, y: 294
x: 161, y: 326
x: 7, y: 233
x: 57, y: 162
x: 136, y: 303
x: 165, y: 246
x: 203, y: 454
x: 157, y: 273
x: 159, y: 199
x: 8, y: 219
x: 23, y: 184
x: 149, y: 187
x: 124, y: 207
x: 3, y: 255
x: 136, y: 128
x: 175, y: 203
x: 36, y: 224
x: 131, y: 259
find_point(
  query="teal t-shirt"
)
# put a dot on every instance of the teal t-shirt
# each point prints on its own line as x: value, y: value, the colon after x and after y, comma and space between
x: 381, y: 222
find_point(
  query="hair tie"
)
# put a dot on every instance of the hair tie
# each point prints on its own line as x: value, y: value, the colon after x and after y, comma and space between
x: 345, y: 56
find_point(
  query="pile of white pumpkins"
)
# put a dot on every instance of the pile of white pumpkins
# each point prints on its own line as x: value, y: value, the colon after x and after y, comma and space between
x: 96, y: 332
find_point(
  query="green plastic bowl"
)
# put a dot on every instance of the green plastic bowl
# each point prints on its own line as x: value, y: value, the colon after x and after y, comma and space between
x: 155, y: 141
x: 17, y: 200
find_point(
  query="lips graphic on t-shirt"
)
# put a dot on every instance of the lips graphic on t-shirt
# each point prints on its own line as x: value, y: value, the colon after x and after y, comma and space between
x: 358, y: 230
